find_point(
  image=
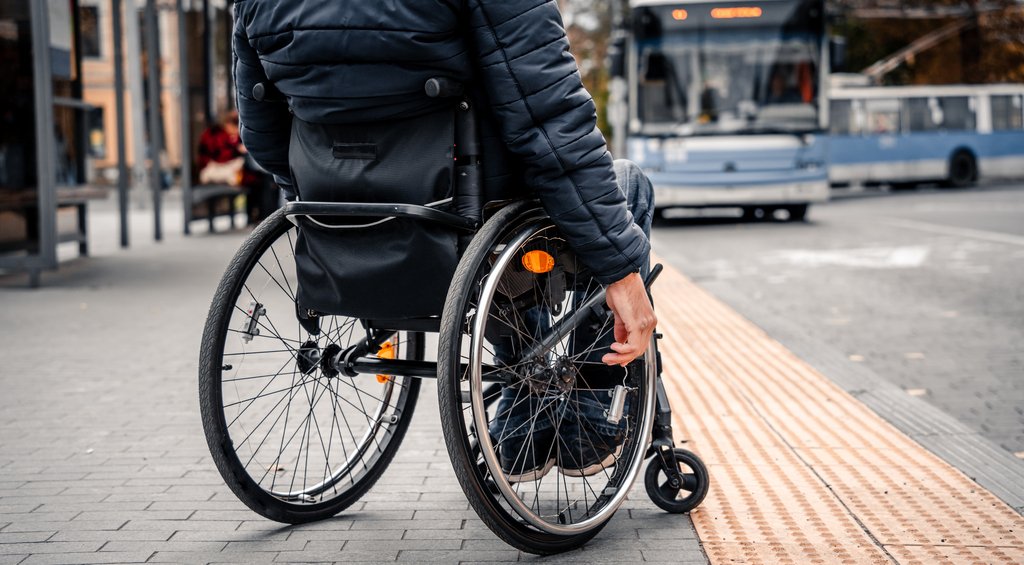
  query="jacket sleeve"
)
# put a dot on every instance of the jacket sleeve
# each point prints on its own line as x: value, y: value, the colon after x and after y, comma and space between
x: 548, y: 118
x: 264, y: 126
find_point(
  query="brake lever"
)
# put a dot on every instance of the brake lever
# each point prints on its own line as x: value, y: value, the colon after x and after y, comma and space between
x: 653, y: 276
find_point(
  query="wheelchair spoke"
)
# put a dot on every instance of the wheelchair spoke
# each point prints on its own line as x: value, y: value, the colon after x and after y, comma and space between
x: 273, y: 279
x: 245, y: 440
x: 290, y: 292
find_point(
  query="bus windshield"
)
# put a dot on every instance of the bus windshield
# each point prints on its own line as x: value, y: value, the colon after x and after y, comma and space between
x: 702, y: 75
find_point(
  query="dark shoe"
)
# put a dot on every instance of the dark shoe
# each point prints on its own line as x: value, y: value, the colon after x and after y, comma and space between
x: 524, y: 437
x: 588, y: 442
x: 528, y: 458
x: 588, y: 458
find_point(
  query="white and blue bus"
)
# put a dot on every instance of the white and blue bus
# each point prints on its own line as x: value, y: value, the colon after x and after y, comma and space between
x: 914, y: 134
x: 725, y: 102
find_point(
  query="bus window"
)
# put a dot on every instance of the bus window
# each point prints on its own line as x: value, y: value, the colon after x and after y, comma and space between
x: 958, y: 113
x: 922, y: 114
x: 662, y: 87
x: 883, y: 116
x: 841, y: 120
x: 1007, y: 113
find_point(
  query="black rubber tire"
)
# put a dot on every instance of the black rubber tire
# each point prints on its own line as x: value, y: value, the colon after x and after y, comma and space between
x: 463, y: 459
x: 797, y: 213
x: 963, y: 169
x: 664, y: 496
x: 211, y: 398
x: 902, y: 186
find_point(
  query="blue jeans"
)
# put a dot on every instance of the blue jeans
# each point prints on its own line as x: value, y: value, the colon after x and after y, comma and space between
x: 581, y: 413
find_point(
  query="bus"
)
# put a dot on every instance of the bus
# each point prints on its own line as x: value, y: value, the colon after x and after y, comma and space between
x: 723, y: 102
x: 907, y: 135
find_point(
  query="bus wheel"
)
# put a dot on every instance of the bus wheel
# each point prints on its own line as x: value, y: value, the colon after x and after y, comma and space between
x: 963, y: 170
x: 797, y: 213
x: 902, y: 186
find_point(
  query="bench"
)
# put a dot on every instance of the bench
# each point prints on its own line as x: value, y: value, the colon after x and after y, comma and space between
x: 19, y: 218
x: 210, y: 201
x: 24, y: 204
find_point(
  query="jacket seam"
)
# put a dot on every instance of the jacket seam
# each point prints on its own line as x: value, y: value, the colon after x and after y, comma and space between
x: 346, y: 28
x: 517, y: 16
x: 538, y: 91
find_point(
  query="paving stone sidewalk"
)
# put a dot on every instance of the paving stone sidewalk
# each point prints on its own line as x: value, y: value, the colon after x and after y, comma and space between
x: 102, y: 457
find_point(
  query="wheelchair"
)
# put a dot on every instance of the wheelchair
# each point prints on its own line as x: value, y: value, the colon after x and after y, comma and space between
x: 304, y: 408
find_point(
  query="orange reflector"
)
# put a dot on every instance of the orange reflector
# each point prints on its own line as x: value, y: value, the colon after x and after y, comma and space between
x: 387, y: 351
x: 538, y: 261
x: 679, y: 15
x: 737, y: 12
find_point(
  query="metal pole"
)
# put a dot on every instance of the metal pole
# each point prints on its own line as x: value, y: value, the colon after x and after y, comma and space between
x: 45, y: 142
x: 138, y: 106
x: 618, y: 86
x: 228, y: 48
x: 186, y: 118
x: 155, y: 133
x: 208, y: 63
x: 122, y: 159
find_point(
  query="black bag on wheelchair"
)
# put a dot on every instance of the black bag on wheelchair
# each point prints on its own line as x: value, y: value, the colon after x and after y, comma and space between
x: 374, y: 268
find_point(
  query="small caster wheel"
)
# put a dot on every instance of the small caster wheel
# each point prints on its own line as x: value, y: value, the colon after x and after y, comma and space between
x: 685, y: 496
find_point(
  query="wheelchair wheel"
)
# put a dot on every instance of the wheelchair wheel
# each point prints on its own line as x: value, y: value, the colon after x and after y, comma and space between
x: 516, y: 402
x: 295, y: 443
x: 688, y: 492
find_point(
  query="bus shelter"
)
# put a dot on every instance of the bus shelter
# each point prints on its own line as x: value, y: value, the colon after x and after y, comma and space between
x: 40, y: 135
x: 90, y: 104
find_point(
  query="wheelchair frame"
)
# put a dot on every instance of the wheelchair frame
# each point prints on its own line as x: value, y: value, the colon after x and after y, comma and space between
x: 360, y: 358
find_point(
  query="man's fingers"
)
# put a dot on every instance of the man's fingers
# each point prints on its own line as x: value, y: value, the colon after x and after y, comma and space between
x: 621, y: 335
x: 623, y: 348
x: 634, y: 319
x: 623, y: 354
x: 614, y: 359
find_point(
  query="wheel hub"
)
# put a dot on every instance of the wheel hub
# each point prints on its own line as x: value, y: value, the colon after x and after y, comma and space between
x: 327, y: 360
x: 559, y: 377
x: 307, y: 357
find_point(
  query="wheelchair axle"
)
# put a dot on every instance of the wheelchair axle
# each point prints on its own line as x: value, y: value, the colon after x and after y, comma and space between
x: 354, y: 361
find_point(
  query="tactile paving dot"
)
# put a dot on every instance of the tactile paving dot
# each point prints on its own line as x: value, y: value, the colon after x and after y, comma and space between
x: 801, y: 471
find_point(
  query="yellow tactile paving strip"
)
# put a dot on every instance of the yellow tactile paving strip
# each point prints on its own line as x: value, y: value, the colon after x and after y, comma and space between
x: 801, y: 471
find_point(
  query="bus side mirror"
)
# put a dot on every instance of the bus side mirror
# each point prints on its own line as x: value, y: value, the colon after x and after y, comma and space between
x: 655, y: 67
x: 837, y: 53
x: 617, y: 55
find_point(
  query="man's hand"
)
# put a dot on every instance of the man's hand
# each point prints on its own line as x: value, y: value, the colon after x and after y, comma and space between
x: 634, y: 319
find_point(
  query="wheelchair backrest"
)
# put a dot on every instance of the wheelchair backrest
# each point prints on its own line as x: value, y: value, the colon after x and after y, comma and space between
x: 375, y: 267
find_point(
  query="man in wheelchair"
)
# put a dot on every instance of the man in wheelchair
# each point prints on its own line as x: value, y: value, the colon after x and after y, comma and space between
x: 345, y: 63
x: 445, y: 175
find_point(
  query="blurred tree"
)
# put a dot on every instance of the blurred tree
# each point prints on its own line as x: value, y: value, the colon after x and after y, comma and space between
x: 989, y: 47
x: 589, y: 25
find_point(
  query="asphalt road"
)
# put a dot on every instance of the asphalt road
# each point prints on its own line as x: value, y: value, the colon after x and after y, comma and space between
x: 924, y: 288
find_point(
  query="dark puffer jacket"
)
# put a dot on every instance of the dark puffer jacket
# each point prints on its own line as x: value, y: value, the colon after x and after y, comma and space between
x: 360, y: 61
